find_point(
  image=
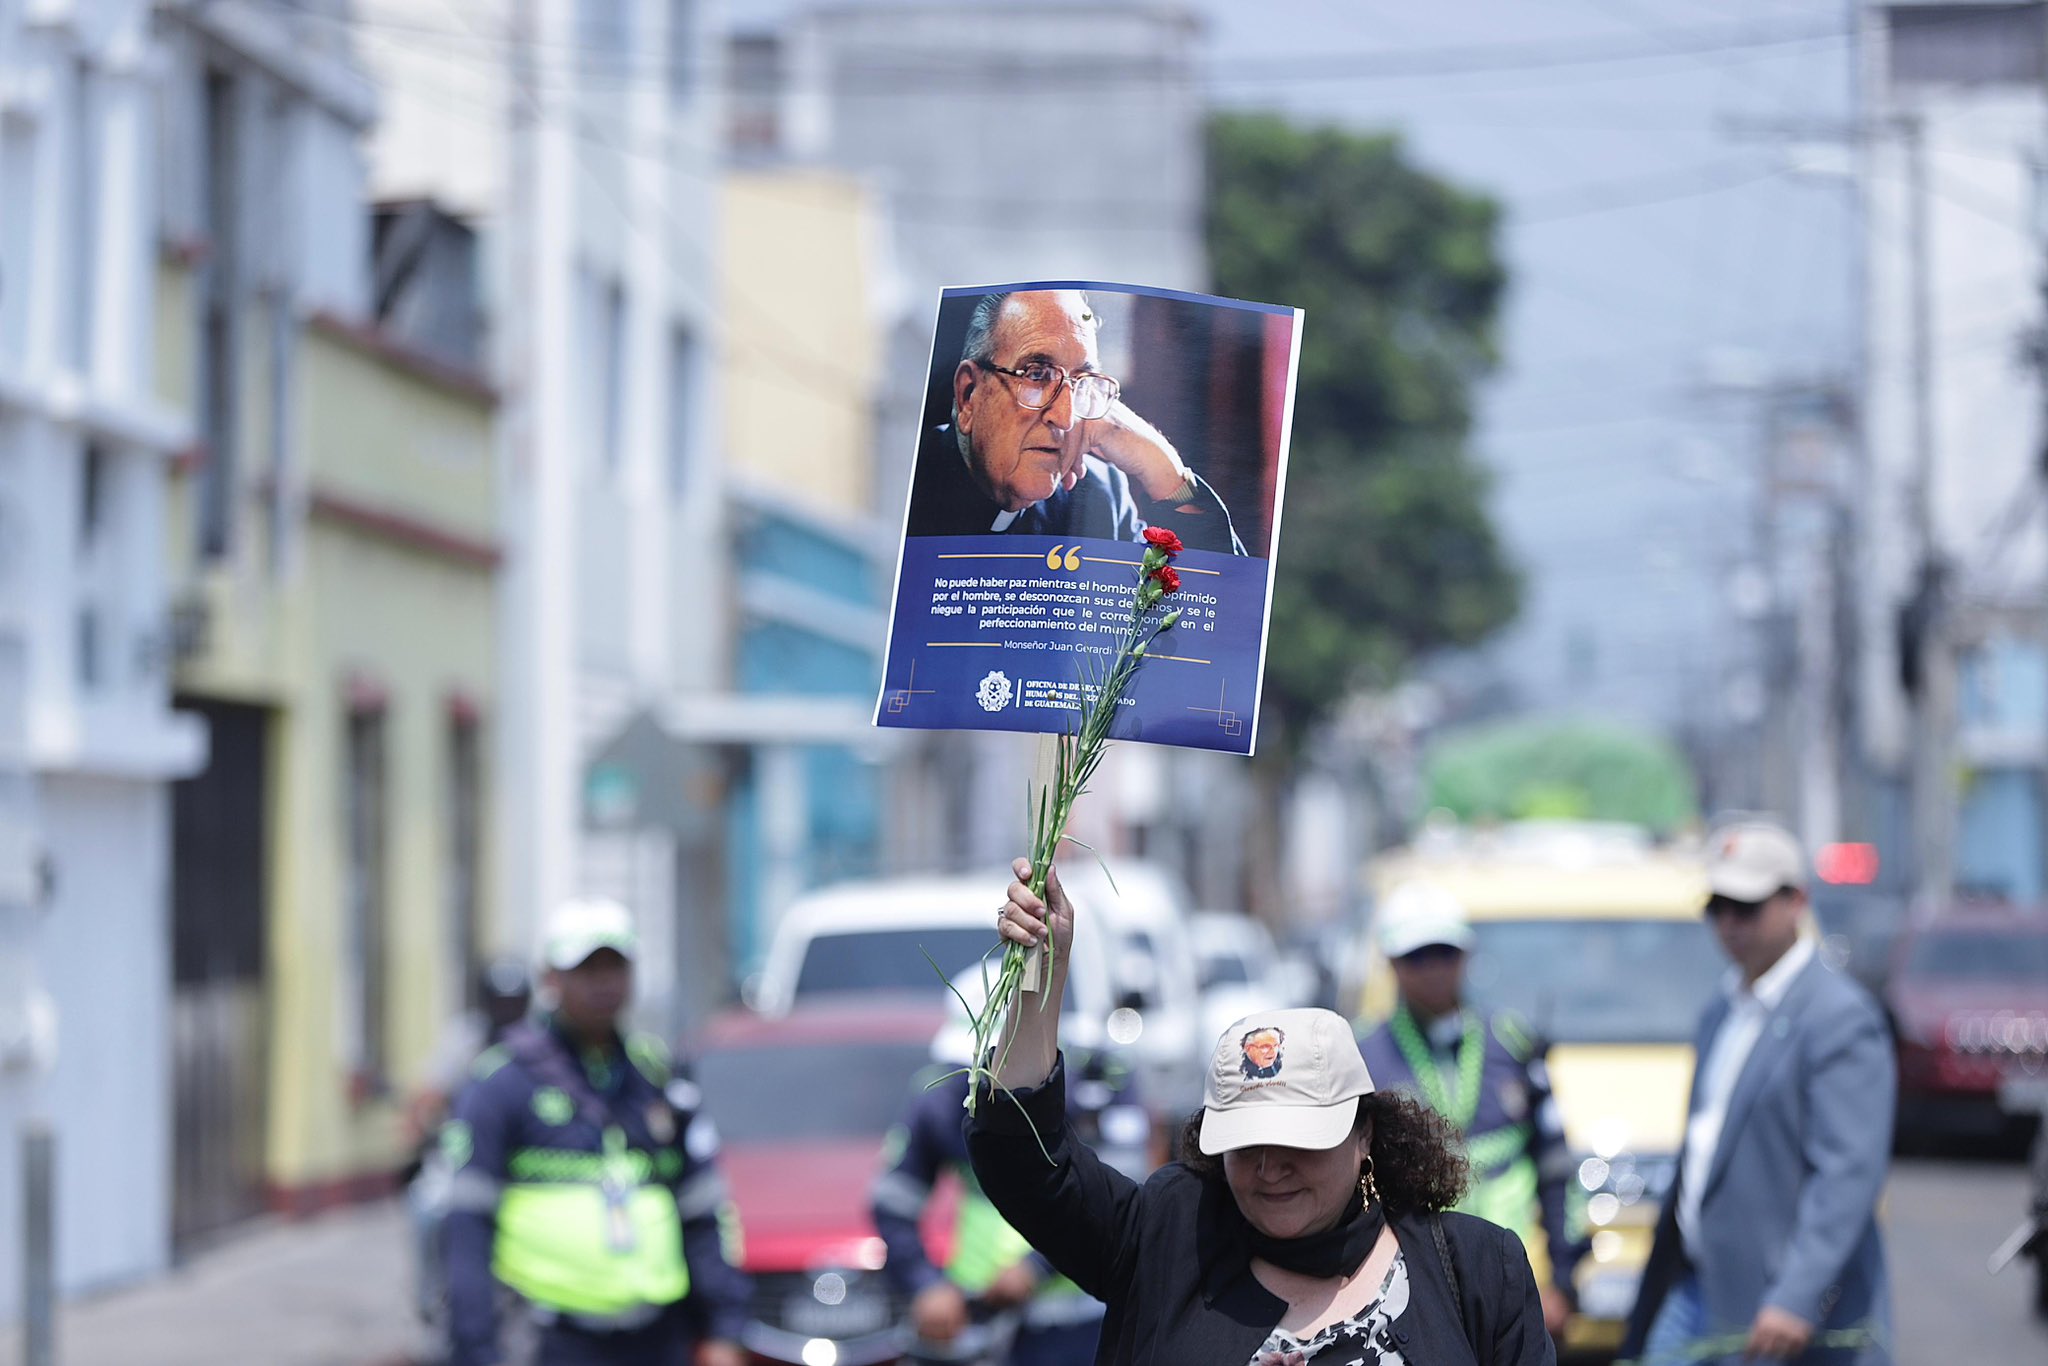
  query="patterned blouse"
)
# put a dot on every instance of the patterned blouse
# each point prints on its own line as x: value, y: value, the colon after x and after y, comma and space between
x: 1364, y: 1339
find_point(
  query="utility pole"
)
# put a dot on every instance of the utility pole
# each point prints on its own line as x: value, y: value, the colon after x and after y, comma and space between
x: 1923, y: 634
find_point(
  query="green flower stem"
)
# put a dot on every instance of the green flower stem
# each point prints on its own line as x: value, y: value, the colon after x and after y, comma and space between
x: 1078, y: 754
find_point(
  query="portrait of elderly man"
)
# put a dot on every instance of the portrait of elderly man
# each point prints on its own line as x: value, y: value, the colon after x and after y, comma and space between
x: 1261, y: 1050
x: 1042, y: 444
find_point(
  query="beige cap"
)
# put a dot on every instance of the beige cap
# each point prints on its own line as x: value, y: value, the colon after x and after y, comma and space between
x: 580, y: 927
x: 1291, y: 1078
x: 1753, y: 861
x: 1418, y: 914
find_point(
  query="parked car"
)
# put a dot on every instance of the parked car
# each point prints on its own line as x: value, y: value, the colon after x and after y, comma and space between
x: 1240, y: 970
x: 803, y: 1103
x: 911, y: 936
x: 1600, y: 945
x: 1859, y: 927
x: 1968, y: 1001
x: 1145, y: 910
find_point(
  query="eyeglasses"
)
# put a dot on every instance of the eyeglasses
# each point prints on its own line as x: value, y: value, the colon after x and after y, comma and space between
x: 1719, y: 906
x: 1038, y: 385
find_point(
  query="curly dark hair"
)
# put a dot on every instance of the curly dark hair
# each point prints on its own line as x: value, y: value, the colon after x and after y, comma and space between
x: 1418, y: 1159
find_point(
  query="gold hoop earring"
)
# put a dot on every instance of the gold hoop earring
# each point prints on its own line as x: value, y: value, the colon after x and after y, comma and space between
x: 1367, y: 1190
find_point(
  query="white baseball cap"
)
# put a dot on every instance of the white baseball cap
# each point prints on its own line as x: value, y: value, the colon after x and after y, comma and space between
x: 1753, y: 861
x: 1418, y: 914
x: 581, y: 926
x: 1291, y: 1078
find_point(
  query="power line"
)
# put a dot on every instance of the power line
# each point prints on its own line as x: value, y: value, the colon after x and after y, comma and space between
x: 1643, y: 191
x: 890, y: 71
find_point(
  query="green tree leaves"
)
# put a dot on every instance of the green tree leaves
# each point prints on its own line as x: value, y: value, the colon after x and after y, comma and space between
x: 1389, y: 551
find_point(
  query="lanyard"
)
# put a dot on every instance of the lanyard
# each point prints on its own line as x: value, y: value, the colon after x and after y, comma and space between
x: 617, y: 1184
x: 1459, y: 1107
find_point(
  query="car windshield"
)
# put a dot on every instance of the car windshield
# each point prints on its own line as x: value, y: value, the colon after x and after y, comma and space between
x: 1982, y: 956
x: 894, y: 960
x: 1224, y: 969
x: 795, y: 1093
x: 1598, y: 980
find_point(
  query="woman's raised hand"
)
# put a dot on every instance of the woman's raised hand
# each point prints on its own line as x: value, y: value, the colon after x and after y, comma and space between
x: 1024, y: 916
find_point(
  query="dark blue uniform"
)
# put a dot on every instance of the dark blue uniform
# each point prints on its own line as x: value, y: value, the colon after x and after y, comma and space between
x: 542, y: 1120
x: 1060, y: 1325
x: 1494, y: 1088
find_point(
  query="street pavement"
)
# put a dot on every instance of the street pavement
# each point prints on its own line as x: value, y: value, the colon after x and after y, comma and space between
x: 328, y: 1291
x: 336, y: 1290
x: 1943, y: 1219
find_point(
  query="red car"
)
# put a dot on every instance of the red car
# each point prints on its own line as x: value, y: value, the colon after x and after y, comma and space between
x: 802, y: 1104
x: 1968, y: 998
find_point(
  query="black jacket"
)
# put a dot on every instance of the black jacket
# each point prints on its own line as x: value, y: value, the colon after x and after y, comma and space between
x: 1172, y: 1261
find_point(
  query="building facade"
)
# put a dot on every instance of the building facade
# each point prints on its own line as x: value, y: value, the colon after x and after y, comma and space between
x: 1953, y: 693
x: 89, y: 743
x: 332, y: 535
x: 811, y: 797
x: 921, y: 101
x: 579, y: 136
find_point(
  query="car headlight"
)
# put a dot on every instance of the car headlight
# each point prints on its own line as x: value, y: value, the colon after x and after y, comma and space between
x: 1607, y: 1186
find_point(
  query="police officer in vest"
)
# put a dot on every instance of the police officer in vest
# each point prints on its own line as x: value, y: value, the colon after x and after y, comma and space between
x: 1482, y: 1071
x: 990, y: 1263
x: 584, y: 1180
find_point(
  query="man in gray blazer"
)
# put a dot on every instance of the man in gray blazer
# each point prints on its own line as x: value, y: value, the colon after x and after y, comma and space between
x: 1768, y: 1243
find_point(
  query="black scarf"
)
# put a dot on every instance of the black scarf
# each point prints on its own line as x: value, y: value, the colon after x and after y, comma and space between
x: 1334, y: 1252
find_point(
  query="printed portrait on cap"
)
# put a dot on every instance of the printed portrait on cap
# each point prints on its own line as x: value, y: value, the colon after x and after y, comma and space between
x: 1261, y: 1049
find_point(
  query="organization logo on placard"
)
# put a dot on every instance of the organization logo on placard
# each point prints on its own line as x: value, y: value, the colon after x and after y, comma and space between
x: 994, y: 692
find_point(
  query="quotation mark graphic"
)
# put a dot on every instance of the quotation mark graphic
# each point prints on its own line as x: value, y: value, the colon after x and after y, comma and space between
x: 1071, y: 561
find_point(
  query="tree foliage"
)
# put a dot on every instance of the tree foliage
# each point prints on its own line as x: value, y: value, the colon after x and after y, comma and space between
x: 1388, y: 550
x: 1562, y: 770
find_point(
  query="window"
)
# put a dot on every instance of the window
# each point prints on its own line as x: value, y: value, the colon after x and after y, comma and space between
x: 604, y: 30
x: 217, y: 311
x: 613, y: 374
x: 82, y: 235
x: 1653, y: 976
x: 465, y: 846
x: 92, y: 496
x: 682, y: 50
x: 91, y: 651
x: 364, y: 879
x: 17, y: 230
x: 682, y: 408
x: 601, y: 327
x: 1968, y: 44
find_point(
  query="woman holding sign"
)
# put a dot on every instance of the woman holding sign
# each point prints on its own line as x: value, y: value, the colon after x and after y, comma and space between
x: 1303, y: 1225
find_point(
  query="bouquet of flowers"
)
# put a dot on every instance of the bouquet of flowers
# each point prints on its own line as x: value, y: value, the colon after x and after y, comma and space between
x: 1079, y: 752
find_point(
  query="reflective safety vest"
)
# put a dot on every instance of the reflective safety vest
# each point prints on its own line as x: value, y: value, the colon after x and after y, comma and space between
x: 1503, y: 1179
x: 1497, y: 1134
x: 596, y: 1235
x: 984, y: 1245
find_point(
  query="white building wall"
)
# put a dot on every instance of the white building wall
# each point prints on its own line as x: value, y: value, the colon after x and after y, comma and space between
x: 589, y: 174
x: 88, y: 743
x: 107, y: 967
x: 1981, y: 147
x: 1116, y: 197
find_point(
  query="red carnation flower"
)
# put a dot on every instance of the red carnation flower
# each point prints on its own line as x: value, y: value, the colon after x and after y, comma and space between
x: 1159, y: 536
x: 1169, y: 578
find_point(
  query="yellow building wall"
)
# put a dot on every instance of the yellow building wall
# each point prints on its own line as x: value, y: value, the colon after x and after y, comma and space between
x: 390, y: 582
x: 804, y: 347
x: 416, y: 622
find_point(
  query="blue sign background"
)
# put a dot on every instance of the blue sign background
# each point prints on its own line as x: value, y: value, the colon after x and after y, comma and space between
x: 999, y: 632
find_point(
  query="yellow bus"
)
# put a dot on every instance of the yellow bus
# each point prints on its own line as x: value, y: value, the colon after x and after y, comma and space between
x: 1597, y: 941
